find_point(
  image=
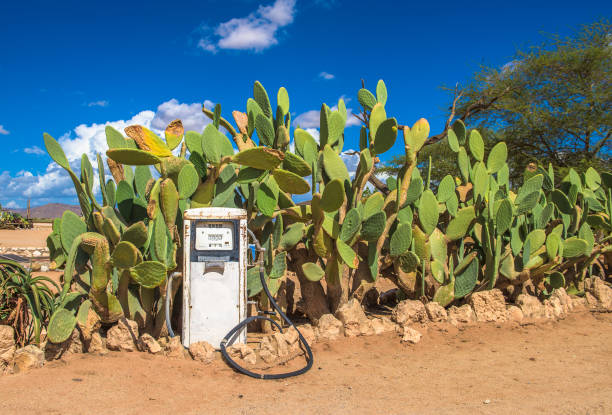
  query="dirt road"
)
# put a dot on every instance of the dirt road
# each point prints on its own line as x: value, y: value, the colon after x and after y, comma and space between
x: 550, y: 368
x: 18, y: 238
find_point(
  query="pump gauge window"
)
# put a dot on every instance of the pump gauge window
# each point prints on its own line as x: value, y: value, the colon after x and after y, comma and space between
x: 214, y: 236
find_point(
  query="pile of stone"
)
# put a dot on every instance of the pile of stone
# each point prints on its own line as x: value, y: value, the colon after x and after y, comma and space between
x: 409, y: 319
x: 26, y: 252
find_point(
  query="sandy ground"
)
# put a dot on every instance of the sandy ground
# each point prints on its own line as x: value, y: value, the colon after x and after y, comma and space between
x: 35, y: 237
x: 550, y: 368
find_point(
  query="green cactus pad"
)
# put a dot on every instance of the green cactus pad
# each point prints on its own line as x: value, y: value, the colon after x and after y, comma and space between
x: 381, y: 92
x: 373, y: 204
x: 553, y: 245
x: 313, y: 271
x: 467, y: 279
x: 386, y: 134
x: 261, y: 97
x: 504, y: 216
x: 169, y: 197
x: 446, y: 188
x: 261, y: 158
x: 334, y: 165
x: 292, y: 236
x: 282, y: 100
x: 415, y: 138
x: 193, y: 141
x: 373, y: 226
x: 55, y: 151
x: 438, y: 271
x: 290, y: 182
x: 445, y: 294
x: 401, y: 239
x: 562, y: 202
x: 335, y: 128
x: 333, y: 196
x: 405, y: 215
x: 574, y: 247
x: 215, y: 145
x: 536, y: 239
x: 481, y: 179
x: 497, y: 157
x: 453, y: 142
x: 348, y: 255
x: 532, y: 185
x: 279, y: 266
x: 266, y: 199
x: 125, y: 255
x: 415, y: 189
x: 476, y: 145
x: 428, y: 211
x: 420, y: 245
x: 296, y: 164
x: 114, y: 139
x: 188, y: 181
x: 464, y: 163
x: 133, y: 157
x: 366, y: 98
x: 61, y: 325
x: 149, y: 274
x: 458, y: 227
x: 586, y: 234
x: 137, y: 234
x: 555, y: 280
x: 71, y: 227
x: 351, y: 225
x: 437, y: 241
x: 409, y: 262
x: 377, y: 117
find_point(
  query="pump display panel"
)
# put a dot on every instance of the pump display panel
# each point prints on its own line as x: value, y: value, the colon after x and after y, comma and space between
x: 215, y: 236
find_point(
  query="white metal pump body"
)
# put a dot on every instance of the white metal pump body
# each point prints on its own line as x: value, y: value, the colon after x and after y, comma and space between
x: 214, y: 280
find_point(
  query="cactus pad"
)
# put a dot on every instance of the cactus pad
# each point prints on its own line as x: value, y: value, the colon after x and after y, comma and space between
x: 333, y: 196
x: 386, y: 134
x: 313, y: 271
x: 261, y: 158
x: 400, y: 240
x: 373, y: 226
x: 467, y: 279
x: 61, y: 324
x: 132, y: 157
x: 125, y: 255
x: 428, y: 211
x: 290, y: 182
x: 149, y: 274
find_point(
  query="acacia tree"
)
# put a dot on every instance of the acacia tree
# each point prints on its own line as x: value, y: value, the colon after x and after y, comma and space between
x: 551, y: 103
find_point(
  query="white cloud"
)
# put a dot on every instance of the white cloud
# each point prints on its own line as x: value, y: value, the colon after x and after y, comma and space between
x: 3, y: 131
x: 327, y: 76
x: 11, y: 205
x: 309, y: 119
x: 98, y: 104
x: 34, y: 150
x: 257, y: 31
x: 55, y: 185
x: 190, y: 114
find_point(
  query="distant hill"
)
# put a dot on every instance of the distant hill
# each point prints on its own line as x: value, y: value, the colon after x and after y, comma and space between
x: 49, y: 211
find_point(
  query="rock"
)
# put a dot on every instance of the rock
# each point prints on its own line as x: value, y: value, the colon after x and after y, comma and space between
x: 564, y: 299
x: 92, y: 324
x: 554, y: 309
x: 97, y: 344
x: 243, y: 353
x: 307, y: 332
x: 36, y: 266
x: 26, y: 358
x: 590, y: 300
x: 411, y: 335
x: 328, y: 327
x: 578, y: 303
x: 531, y: 306
x: 354, y: 319
x: 280, y: 344
x: 291, y: 337
x: 461, y: 315
x: 7, y: 346
x: 489, y: 306
x: 202, y: 352
x: 602, y: 292
x: 72, y: 345
x: 267, y: 351
x: 147, y: 343
x: 36, y: 254
x: 515, y: 313
x: 382, y: 325
x: 123, y: 336
x: 409, y: 311
x: 436, y: 312
x: 174, y: 349
x: 44, y: 268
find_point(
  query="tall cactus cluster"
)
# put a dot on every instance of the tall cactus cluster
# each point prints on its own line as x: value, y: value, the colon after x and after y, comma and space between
x: 435, y: 241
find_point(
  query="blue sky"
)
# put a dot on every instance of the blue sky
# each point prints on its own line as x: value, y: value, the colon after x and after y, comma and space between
x: 68, y: 68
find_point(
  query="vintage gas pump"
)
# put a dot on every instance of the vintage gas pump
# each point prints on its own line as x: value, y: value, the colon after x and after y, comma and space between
x: 214, y: 280
x: 214, y: 284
